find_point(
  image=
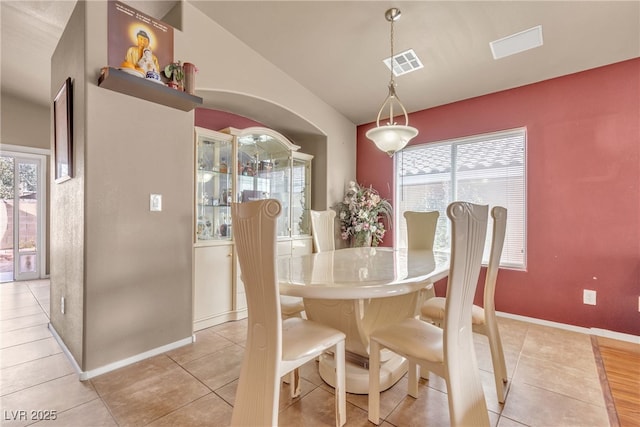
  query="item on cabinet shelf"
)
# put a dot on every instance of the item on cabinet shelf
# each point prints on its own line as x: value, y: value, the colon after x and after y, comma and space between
x: 205, y: 198
x: 204, y: 229
x: 226, y: 197
x: 225, y: 230
x: 223, y: 166
x: 265, y: 165
x: 248, y: 170
x: 190, y: 71
x: 214, y: 202
x: 175, y: 72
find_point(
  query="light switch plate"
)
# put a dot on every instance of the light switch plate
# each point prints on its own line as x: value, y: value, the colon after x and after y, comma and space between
x: 155, y: 202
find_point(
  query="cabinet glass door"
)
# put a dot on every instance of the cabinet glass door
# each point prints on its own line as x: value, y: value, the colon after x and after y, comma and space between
x: 214, y: 189
x: 264, y: 172
x: 300, y: 203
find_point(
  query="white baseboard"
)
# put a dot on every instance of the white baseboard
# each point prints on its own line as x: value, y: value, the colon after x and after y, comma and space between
x: 85, y: 375
x: 219, y: 319
x: 65, y: 350
x: 589, y: 331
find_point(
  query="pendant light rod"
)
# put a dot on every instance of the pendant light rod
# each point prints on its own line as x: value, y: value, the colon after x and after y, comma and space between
x: 392, y: 137
x: 392, y: 15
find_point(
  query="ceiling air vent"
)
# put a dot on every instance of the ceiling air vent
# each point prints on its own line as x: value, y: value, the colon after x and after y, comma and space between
x: 404, y: 62
x: 516, y: 43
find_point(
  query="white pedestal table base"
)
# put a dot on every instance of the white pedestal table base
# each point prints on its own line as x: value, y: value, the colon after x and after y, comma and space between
x: 357, y: 376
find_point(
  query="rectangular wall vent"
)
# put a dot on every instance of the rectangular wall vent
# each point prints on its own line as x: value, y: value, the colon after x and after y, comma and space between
x: 516, y: 43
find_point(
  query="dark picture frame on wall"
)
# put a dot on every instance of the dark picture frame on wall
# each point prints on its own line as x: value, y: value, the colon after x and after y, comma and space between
x: 63, y: 132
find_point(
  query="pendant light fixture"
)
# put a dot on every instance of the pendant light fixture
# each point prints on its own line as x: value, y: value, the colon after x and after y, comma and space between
x: 392, y: 137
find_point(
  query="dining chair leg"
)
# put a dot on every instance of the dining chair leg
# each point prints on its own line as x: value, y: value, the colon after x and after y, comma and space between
x: 414, y: 374
x: 294, y: 383
x: 497, y: 359
x: 340, y: 389
x: 374, y: 382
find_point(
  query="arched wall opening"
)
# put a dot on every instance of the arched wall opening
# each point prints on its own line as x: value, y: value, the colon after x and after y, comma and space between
x: 221, y: 109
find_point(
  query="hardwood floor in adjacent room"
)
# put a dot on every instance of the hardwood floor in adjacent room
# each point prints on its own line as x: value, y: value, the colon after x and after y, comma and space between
x: 621, y: 362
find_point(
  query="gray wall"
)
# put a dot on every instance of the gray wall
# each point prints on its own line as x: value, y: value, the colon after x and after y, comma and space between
x: 24, y: 123
x: 67, y: 201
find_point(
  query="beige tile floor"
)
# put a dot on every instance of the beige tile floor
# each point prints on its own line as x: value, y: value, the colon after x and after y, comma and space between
x: 553, y: 380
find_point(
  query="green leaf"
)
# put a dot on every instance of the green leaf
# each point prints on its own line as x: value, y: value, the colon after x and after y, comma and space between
x: 167, y: 70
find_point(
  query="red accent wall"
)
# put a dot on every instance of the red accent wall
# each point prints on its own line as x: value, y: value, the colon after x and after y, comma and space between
x: 218, y: 120
x: 583, y: 194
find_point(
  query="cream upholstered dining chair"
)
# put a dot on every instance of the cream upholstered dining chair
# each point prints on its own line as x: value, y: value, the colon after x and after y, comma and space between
x: 484, y: 320
x: 421, y: 229
x: 322, y: 229
x: 447, y: 352
x: 274, y: 346
x: 421, y: 232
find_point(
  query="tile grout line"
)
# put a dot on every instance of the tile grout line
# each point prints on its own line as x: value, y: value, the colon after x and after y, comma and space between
x: 45, y: 311
x: 604, y: 384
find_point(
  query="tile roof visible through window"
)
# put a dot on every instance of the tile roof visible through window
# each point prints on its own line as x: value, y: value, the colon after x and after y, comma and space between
x: 429, y: 159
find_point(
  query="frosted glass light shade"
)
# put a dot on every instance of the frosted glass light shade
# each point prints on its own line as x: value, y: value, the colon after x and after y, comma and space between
x: 391, y: 138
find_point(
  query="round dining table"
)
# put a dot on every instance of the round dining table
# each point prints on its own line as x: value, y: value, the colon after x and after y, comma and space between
x: 357, y: 290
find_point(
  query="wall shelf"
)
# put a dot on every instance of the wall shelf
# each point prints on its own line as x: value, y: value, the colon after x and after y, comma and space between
x: 120, y: 81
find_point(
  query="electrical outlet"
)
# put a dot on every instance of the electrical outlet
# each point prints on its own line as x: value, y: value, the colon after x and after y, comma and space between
x: 589, y: 297
x: 62, y: 304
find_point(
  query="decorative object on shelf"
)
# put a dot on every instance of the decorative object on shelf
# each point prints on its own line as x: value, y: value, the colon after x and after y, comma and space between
x: 392, y: 137
x: 360, y: 215
x: 149, y: 65
x: 147, y: 61
x: 175, y: 72
x: 137, y: 43
x: 190, y: 71
x: 63, y: 132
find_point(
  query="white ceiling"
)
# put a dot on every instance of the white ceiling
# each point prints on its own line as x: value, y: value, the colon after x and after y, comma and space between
x: 335, y: 48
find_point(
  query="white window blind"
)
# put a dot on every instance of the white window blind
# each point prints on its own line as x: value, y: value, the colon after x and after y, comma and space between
x: 483, y: 169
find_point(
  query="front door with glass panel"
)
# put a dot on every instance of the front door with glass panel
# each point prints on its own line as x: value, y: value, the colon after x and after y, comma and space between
x: 20, y: 217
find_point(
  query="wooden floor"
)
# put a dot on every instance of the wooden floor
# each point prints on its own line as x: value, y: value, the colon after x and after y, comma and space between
x: 621, y: 364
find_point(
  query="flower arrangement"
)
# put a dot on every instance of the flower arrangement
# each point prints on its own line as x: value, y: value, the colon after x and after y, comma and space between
x: 360, y: 215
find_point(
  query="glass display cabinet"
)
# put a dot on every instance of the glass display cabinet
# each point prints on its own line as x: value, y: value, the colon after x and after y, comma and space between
x: 240, y: 165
